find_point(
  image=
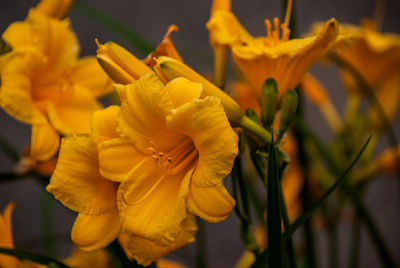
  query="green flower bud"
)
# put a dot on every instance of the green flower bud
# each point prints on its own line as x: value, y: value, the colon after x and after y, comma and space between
x: 288, y: 110
x: 269, y: 98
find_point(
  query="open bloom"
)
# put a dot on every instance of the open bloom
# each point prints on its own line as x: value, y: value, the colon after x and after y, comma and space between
x: 376, y: 56
x: 148, y: 165
x: 43, y: 83
x: 259, y: 58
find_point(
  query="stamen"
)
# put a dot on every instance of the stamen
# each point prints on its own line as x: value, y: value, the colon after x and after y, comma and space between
x: 192, y: 155
x: 275, y: 33
x: 269, y: 27
x: 285, y: 32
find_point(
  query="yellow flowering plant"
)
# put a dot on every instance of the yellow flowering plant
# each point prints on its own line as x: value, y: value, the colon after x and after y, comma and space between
x: 173, y: 153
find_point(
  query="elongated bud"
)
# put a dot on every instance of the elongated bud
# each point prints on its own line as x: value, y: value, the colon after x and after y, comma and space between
x: 250, y: 113
x: 120, y: 64
x: 170, y: 68
x: 269, y: 98
x: 55, y: 8
x: 288, y: 110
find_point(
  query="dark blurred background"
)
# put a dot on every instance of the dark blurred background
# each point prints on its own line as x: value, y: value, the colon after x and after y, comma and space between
x: 150, y: 19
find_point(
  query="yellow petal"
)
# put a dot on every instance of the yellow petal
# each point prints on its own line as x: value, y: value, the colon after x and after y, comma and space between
x: 181, y: 91
x: 213, y: 204
x: 72, y: 113
x: 81, y: 259
x: 54, y: 8
x: 93, y: 232
x: 120, y: 58
x: 76, y: 181
x: 205, y: 122
x: 117, y: 157
x: 141, y: 119
x: 165, y: 48
x: 88, y: 73
x: 53, y: 38
x: 104, y: 123
x: 15, y: 93
x: 286, y: 61
x: 145, y: 251
x: 152, y: 204
x: 171, y: 69
x: 225, y: 28
x: 44, y: 142
x: 222, y: 5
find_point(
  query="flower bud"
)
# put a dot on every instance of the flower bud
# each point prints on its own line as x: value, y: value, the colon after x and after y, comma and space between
x: 288, y: 110
x: 269, y: 98
x: 170, y: 68
x: 120, y: 64
x: 55, y: 8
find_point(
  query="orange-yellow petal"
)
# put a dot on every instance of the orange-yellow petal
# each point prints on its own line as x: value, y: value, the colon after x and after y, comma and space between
x: 81, y: 259
x: 141, y: 119
x: 54, y: 8
x: 181, y: 91
x: 15, y: 93
x: 213, y: 204
x: 6, y: 239
x: 152, y: 203
x: 104, y: 123
x: 44, y: 141
x: 165, y: 48
x: 93, y: 232
x: 117, y: 157
x: 205, y: 122
x: 145, y: 251
x: 76, y: 181
x: 88, y: 73
x: 72, y: 113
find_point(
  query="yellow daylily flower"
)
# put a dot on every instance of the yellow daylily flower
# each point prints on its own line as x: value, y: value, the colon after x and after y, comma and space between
x: 376, y: 56
x: 54, y: 8
x: 82, y: 259
x: 259, y: 58
x: 45, y: 84
x: 159, y: 158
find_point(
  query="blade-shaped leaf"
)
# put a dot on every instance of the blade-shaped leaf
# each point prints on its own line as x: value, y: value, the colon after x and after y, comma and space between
x: 38, y: 258
x: 274, y: 211
x: 263, y: 257
x: 114, y: 25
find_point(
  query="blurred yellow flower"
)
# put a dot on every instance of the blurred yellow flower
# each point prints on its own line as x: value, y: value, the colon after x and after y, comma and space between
x: 259, y: 58
x: 45, y: 84
x: 54, y: 8
x: 159, y: 158
x: 376, y: 56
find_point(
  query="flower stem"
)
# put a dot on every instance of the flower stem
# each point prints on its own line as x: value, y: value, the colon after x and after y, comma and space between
x: 257, y: 130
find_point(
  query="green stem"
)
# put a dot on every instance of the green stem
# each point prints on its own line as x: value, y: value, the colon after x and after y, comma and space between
x: 355, y: 242
x: 201, y: 253
x: 333, y: 244
x: 286, y: 223
x: 47, y: 225
x: 38, y: 258
x: 246, y: 231
x: 261, y: 133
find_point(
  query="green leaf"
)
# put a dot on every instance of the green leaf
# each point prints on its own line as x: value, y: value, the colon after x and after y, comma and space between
x: 114, y: 25
x: 38, y: 258
x: 274, y: 211
x: 261, y: 261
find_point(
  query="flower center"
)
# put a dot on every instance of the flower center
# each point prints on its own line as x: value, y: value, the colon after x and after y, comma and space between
x: 273, y: 35
x: 176, y: 159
